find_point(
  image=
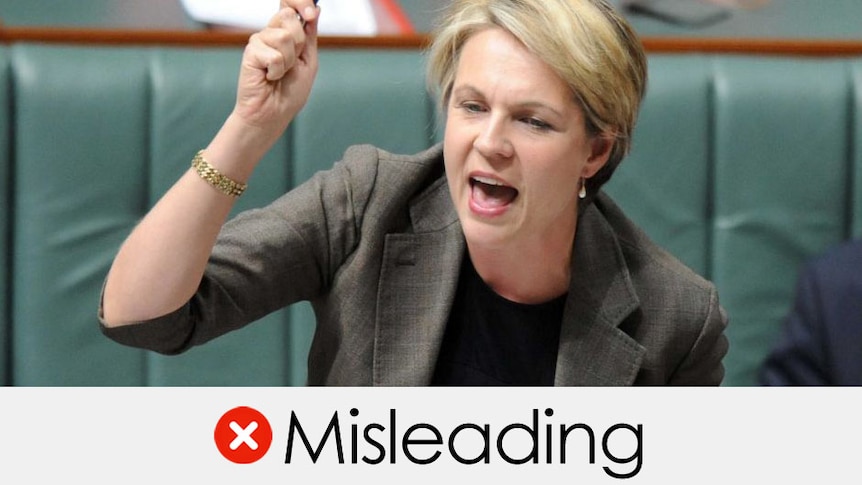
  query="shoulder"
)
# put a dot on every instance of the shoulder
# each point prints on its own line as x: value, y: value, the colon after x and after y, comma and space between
x: 361, y: 160
x: 364, y: 173
x: 649, y: 264
x: 369, y: 169
x: 839, y: 264
x: 834, y: 277
x: 679, y: 319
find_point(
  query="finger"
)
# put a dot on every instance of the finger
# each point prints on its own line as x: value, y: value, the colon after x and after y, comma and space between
x: 291, y: 31
x: 272, y: 51
x: 305, y: 10
x: 298, y: 5
x: 304, y: 34
x: 309, y: 52
x: 285, y: 18
x: 286, y: 52
x: 309, y: 13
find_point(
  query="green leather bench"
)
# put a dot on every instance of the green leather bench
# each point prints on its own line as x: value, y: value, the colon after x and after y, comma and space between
x: 741, y: 166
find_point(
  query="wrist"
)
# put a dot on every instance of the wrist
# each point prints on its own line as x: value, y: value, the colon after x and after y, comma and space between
x: 238, y: 147
x: 215, y: 178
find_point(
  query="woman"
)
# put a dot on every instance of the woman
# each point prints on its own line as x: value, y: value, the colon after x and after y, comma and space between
x: 492, y: 259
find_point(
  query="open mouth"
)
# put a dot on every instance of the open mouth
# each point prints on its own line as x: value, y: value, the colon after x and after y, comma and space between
x: 490, y: 194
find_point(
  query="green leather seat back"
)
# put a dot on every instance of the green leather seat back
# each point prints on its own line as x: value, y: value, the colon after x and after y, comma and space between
x: 782, y: 181
x: 123, y: 124
x: 80, y: 151
x: 101, y: 134
x: 192, y: 93
x: 5, y: 217
x: 743, y: 167
x: 664, y: 181
x: 856, y: 168
x: 362, y: 96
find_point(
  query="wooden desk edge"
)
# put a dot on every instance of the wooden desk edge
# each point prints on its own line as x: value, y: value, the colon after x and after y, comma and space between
x: 227, y: 38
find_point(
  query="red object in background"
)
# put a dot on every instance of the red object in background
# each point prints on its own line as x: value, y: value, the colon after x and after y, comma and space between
x: 391, y: 18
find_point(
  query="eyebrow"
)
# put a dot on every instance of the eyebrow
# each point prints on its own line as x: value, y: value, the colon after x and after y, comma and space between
x: 470, y: 90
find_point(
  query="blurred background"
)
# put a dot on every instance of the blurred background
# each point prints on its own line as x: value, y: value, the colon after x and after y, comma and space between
x: 835, y: 19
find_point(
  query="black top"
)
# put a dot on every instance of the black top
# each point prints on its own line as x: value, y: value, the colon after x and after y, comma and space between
x: 492, y: 341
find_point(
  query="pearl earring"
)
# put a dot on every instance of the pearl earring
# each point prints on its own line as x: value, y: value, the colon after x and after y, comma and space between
x: 582, y: 193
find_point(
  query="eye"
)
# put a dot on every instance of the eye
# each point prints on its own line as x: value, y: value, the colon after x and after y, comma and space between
x: 471, y: 107
x: 537, y: 124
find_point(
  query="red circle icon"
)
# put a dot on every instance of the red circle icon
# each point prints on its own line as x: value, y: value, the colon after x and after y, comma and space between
x: 243, y: 435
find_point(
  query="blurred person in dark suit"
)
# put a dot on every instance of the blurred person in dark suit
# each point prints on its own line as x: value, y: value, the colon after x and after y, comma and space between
x: 821, y: 341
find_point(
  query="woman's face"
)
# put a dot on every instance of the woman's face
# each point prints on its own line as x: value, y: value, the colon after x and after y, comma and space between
x: 515, y: 146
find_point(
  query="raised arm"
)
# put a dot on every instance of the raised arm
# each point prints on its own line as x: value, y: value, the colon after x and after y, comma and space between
x: 160, y: 265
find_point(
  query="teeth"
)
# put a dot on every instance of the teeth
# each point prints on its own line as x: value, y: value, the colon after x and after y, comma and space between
x: 488, y: 181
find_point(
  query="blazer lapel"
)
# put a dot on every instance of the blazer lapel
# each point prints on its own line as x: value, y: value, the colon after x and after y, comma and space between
x: 418, y: 281
x: 419, y: 278
x: 593, y: 350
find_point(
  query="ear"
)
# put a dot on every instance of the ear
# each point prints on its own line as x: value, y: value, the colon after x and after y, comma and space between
x: 601, y: 146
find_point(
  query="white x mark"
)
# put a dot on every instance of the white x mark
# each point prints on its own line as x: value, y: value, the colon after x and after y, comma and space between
x: 243, y: 435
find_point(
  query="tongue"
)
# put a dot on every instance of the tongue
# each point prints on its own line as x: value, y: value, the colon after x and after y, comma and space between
x: 492, y: 196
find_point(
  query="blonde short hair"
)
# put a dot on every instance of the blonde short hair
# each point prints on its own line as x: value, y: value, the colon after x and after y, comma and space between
x: 586, y: 42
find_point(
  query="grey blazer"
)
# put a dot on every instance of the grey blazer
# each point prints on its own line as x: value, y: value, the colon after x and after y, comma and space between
x: 375, y: 245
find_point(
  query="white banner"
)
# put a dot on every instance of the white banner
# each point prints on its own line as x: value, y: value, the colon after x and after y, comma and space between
x: 429, y: 435
x: 340, y: 17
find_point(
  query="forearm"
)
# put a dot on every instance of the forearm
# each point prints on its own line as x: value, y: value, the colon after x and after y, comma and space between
x: 160, y: 265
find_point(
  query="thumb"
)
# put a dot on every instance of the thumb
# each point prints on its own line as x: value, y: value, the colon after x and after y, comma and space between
x: 312, y: 23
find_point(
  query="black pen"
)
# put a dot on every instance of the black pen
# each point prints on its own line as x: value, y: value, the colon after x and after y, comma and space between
x: 299, y: 16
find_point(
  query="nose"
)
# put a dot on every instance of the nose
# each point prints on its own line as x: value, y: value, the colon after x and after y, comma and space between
x: 492, y: 141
